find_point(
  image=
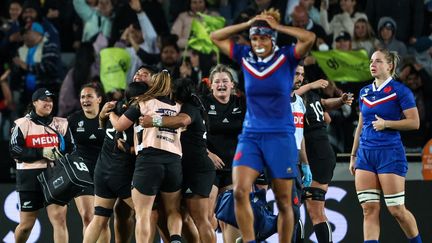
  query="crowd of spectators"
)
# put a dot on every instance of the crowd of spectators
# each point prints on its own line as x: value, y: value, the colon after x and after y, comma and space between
x: 57, y: 44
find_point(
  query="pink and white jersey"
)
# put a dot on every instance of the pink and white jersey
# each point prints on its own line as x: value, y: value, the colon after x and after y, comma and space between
x: 167, y: 139
x: 298, y: 109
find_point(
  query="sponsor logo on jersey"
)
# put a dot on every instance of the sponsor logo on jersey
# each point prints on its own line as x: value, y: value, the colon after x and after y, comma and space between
x: 298, y: 119
x: 41, y: 141
x: 92, y: 136
x: 225, y: 121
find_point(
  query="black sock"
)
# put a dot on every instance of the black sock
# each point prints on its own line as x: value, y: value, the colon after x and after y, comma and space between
x: 323, y: 232
x: 175, y: 239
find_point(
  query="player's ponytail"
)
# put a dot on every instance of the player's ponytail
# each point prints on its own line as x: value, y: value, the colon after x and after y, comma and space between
x: 393, y: 58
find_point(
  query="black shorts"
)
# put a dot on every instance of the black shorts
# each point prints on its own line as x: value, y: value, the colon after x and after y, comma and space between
x: 322, y: 160
x: 31, y: 201
x: 198, y: 183
x: 223, y: 178
x: 112, y: 186
x: 154, y: 173
x: 89, y: 191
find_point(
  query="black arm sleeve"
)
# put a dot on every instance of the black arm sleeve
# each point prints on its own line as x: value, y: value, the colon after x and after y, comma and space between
x: 19, y: 151
x: 190, y: 110
x: 133, y: 113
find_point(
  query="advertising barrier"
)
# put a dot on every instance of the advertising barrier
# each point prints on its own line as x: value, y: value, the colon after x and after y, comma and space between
x: 342, y: 209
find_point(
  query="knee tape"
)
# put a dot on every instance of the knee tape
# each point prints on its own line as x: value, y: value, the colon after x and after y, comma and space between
x: 314, y: 193
x: 104, y: 212
x: 395, y: 199
x: 370, y: 195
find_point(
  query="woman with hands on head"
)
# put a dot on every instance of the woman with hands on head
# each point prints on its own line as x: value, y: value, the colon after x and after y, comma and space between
x: 267, y: 139
x: 378, y: 159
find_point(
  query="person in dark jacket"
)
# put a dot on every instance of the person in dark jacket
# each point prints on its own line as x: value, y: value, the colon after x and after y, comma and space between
x: 34, y: 140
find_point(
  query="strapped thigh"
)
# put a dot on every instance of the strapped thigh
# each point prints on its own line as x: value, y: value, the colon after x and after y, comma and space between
x: 102, y: 211
x: 369, y: 195
x: 315, y: 193
x: 395, y: 199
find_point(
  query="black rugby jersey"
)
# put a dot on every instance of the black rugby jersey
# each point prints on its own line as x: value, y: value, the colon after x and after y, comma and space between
x: 225, y: 124
x: 314, y: 117
x: 87, y: 134
x: 112, y: 159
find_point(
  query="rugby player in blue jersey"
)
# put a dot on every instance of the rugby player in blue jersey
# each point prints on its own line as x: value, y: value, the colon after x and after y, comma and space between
x: 378, y: 158
x: 267, y: 140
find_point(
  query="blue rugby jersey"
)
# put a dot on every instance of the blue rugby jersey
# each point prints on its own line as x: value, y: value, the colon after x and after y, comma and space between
x: 388, y: 102
x: 268, y: 85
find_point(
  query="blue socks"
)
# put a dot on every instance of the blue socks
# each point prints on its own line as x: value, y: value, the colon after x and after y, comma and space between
x: 416, y: 239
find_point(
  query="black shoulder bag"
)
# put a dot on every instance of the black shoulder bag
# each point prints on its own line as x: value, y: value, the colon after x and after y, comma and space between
x: 66, y: 179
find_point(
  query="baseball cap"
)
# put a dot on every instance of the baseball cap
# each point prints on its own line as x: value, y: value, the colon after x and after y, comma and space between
x: 389, y: 25
x: 41, y: 94
x: 343, y: 35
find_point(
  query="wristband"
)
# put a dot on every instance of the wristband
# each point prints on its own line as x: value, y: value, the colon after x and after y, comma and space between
x: 157, y: 121
x: 353, y: 155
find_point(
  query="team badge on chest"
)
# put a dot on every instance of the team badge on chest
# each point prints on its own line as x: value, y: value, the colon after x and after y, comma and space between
x: 80, y: 127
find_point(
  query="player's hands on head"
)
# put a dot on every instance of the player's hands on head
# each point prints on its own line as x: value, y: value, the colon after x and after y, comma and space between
x: 269, y: 19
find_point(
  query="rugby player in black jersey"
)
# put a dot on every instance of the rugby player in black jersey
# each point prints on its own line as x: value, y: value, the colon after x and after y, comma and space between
x: 322, y: 160
x: 88, y: 136
x: 114, y: 169
x: 225, y: 112
x: 198, y: 169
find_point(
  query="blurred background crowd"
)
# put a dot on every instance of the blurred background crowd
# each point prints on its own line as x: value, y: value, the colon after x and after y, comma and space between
x: 64, y: 44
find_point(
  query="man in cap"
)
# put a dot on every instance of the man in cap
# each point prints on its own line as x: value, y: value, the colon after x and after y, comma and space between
x: 387, y: 35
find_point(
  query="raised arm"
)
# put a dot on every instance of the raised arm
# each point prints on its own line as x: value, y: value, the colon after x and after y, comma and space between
x: 336, y: 103
x: 319, y: 84
x: 305, y: 39
x: 121, y: 123
x: 148, y: 32
x: 221, y: 38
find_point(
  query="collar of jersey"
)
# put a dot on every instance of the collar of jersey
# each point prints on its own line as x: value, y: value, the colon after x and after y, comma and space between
x: 382, y: 85
x: 267, y: 59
